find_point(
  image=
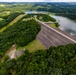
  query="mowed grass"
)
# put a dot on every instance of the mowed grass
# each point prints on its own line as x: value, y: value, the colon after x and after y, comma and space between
x: 12, y: 22
x: 33, y: 46
x: 53, y: 25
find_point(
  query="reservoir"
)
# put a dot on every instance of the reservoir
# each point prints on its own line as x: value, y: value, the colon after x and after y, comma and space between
x: 66, y: 24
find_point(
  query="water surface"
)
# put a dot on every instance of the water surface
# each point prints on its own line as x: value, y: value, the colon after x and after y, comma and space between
x: 66, y: 24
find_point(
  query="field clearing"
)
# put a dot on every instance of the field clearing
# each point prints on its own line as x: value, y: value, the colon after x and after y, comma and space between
x: 26, y: 19
x: 12, y: 22
x: 2, y: 5
x: 1, y: 19
x: 5, y: 13
x: 33, y: 46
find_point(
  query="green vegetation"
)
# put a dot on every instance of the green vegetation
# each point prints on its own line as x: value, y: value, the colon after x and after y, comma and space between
x: 1, y: 19
x: 7, y: 19
x: 12, y: 22
x: 6, y: 57
x: 59, y: 60
x: 49, y: 7
x: 33, y: 46
x: 5, y: 13
x: 56, y: 7
x: 9, y: 50
x: 41, y: 17
x: 21, y: 33
x: 54, y: 25
x: 15, y: 7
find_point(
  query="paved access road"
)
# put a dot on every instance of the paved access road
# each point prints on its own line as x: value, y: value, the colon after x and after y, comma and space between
x: 49, y: 36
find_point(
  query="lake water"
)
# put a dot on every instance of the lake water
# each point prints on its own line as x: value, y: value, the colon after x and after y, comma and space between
x: 66, y: 24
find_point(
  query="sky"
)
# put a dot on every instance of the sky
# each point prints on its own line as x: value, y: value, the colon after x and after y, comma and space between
x: 37, y: 0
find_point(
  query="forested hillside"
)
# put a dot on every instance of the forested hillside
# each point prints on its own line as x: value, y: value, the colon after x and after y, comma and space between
x: 21, y: 33
x: 59, y: 60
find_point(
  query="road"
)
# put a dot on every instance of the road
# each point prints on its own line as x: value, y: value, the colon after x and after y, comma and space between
x: 49, y: 36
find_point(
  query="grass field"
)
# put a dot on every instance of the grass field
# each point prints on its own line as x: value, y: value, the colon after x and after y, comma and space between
x: 11, y: 23
x: 5, y: 13
x: 53, y: 25
x: 33, y: 46
x: 2, y: 5
x: 1, y: 19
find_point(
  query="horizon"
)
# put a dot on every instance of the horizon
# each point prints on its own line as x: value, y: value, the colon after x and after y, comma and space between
x: 38, y: 1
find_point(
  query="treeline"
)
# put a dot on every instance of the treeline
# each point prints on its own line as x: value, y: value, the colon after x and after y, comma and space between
x: 69, y: 15
x: 21, y: 33
x: 56, y: 7
x: 7, y: 19
x: 59, y: 60
x: 42, y: 17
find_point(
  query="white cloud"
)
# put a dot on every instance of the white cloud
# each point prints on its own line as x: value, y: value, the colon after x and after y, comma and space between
x: 37, y: 0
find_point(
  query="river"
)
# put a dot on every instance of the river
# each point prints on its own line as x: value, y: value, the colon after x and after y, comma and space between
x: 66, y: 24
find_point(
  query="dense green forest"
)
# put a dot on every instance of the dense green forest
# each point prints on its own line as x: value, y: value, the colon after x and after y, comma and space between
x: 7, y: 19
x: 21, y: 33
x: 56, y: 7
x: 59, y: 60
x: 41, y: 17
